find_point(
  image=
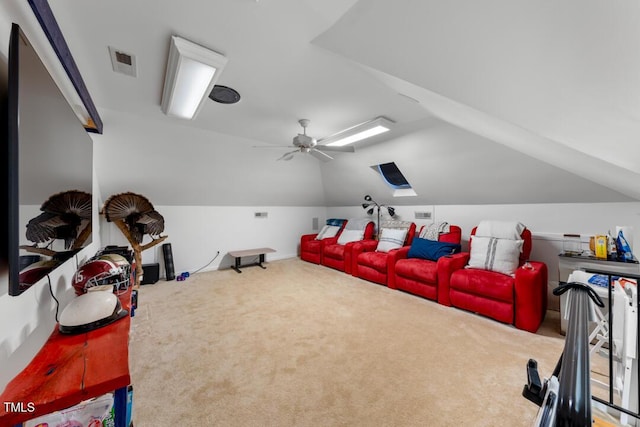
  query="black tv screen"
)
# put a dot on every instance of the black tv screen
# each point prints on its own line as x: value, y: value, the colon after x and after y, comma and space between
x: 49, y: 172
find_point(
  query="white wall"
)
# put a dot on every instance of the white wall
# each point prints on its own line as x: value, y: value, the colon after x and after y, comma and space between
x: 196, y: 233
x: 186, y: 166
x: 447, y: 165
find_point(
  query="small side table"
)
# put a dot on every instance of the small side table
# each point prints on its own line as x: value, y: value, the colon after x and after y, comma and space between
x: 249, y: 252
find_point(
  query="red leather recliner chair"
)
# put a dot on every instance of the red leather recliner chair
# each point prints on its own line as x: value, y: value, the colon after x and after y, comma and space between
x: 520, y: 299
x: 339, y: 256
x: 371, y: 265
x: 311, y: 249
x: 420, y: 276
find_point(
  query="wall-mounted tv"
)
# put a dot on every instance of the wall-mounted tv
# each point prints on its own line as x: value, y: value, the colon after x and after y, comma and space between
x: 49, y: 172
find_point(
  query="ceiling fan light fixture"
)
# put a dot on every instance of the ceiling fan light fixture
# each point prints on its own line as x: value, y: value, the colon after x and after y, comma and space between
x: 358, y: 133
x: 306, y: 144
x: 192, y: 71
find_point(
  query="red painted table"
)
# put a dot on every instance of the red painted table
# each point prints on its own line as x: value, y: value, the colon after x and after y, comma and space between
x: 72, y: 368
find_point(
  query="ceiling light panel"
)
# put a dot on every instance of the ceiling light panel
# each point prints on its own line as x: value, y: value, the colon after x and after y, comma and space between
x: 192, y: 71
x: 359, y: 132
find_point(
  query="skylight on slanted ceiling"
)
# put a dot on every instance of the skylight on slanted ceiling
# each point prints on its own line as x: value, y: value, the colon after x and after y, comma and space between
x: 394, y: 179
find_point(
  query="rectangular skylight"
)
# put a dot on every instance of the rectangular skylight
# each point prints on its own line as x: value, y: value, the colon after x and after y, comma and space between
x: 392, y: 176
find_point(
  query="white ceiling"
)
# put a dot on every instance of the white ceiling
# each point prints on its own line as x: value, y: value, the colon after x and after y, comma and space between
x: 536, y: 96
x: 279, y: 74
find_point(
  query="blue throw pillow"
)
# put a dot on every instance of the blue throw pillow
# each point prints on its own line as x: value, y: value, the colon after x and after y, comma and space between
x: 336, y: 221
x: 431, y: 249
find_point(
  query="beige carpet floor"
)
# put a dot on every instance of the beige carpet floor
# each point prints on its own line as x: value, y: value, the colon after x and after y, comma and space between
x: 303, y: 345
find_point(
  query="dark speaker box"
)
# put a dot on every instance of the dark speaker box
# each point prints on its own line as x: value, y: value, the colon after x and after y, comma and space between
x: 168, y: 261
x: 150, y: 273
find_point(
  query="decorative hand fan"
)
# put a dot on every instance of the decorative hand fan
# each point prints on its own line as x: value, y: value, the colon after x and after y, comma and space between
x: 62, y: 218
x: 137, y: 212
x: 135, y: 216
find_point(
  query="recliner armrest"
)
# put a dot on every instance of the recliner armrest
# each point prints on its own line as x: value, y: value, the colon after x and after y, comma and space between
x: 530, y: 295
x: 401, y: 253
x: 451, y: 263
x: 330, y: 241
x: 446, y: 266
x: 348, y: 256
x: 393, y: 256
x: 308, y: 237
x: 358, y: 248
x: 365, y: 246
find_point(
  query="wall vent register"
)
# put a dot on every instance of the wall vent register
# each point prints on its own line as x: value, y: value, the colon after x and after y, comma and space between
x: 422, y: 215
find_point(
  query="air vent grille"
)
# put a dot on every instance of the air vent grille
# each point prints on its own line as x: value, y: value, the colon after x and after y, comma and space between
x: 422, y: 215
x: 123, y: 58
x: 122, y: 62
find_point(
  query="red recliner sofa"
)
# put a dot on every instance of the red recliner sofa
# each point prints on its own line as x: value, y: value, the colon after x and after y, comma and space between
x: 371, y: 265
x: 311, y: 249
x: 420, y: 276
x: 339, y: 256
x: 519, y: 299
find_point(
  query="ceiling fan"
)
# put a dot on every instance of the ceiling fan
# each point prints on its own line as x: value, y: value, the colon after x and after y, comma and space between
x: 306, y: 144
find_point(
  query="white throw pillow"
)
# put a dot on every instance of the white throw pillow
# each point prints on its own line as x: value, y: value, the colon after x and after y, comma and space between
x: 328, y: 231
x: 500, y: 229
x: 499, y: 255
x: 321, y: 232
x: 357, y: 223
x: 391, y: 238
x: 350, y: 236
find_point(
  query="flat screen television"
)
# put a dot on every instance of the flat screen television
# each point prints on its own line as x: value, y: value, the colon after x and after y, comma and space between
x: 49, y: 165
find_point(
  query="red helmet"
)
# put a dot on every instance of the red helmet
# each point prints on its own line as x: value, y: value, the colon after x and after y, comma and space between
x: 121, y: 262
x: 100, y: 272
x: 34, y: 272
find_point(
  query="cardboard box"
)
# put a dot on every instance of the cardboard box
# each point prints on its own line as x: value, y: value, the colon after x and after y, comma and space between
x: 89, y: 413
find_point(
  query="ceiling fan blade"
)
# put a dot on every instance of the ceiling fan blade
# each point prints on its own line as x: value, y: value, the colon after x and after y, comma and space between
x: 271, y: 146
x: 287, y: 156
x: 344, y: 149
x: 320, y: 155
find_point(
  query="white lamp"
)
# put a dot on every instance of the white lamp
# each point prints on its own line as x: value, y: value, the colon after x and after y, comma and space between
x: 192, y: 71
x: 359, y: 132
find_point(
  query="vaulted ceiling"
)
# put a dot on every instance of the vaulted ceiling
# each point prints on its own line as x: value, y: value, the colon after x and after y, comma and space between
x: 495, y: 101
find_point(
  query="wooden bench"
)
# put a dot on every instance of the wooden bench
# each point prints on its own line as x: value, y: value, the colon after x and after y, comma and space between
x: 249, y: 252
